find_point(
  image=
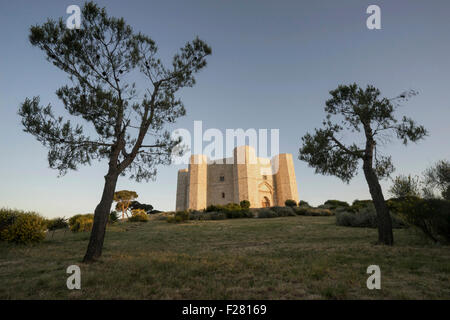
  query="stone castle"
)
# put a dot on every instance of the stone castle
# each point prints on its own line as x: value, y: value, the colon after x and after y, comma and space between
x: 264, y: 182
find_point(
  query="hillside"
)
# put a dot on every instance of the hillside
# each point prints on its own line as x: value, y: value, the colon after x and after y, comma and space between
x: 281, y: 258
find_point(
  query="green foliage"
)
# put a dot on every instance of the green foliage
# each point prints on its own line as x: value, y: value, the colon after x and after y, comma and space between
x: 290, y: 203
x: 405, y: 186
x: 179, y: 216
x: 431, y: 216
x: 81, y: 222
x: 266, y: 213
x: 101, y: 60
x: 231, y: 210
x: 333, y: 204
x: 245, y: 204
x: 438, y: 177
x: 350, y: 110
x: 359, y: 204
x: 138, y: 215
x: 57, y: 223
x: 207, y: 215
x: 21, y: 227
x: 124, y: 199
x: 113, y: 217
x: 302, y: 203
x: 7, y: 218
x: 148, y: 208
x: 365, y: 217
x: 283, y: 211
x: 308, y: 211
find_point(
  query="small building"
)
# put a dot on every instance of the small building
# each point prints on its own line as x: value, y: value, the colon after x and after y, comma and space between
x: 264, y: 182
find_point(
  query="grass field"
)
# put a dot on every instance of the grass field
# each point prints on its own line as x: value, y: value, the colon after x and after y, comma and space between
x: 281, y: 258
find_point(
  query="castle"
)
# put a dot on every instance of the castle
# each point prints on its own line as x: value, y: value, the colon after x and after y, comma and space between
x: 264, y: 182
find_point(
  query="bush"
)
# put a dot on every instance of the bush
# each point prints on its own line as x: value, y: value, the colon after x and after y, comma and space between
x: 290, y: 203
x: 364, y: 218
x: 138, y: 215
x: 245, y: 204
x: 359, y: 204
x: 283, y: 211
x: 21, y: 227
x: 207, y: 216
x: 307, y: 211
x: 81, y: 222
x: 431, y: 216
x: 232, y: 210
x: 266, y: 213
x: 333, y: 204
x: 7, y: 218
x: 57, y: 223
x: 179, y: 216
x: 303, y: 204
x: 113, y: 217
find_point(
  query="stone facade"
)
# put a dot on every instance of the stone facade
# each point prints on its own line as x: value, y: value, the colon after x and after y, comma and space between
x: 263, y: 182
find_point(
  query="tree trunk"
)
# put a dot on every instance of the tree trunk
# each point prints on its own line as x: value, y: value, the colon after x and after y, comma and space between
x: 94, y: 250
x: 385, y: 235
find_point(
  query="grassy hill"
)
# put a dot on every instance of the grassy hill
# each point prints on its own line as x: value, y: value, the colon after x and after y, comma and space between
x: 297, y: 257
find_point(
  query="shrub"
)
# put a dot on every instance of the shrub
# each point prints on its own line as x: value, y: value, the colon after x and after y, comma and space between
x: 179, y: 216
x: 22, y: 227
x: 245, y: 204
x: 431, y: 216
x: 333, y: 204
x: 232, y: 210
x: 283, y: 211
x: 207, y: 216
x: 57, y: 223
x: 213, y: 208
x: 364, y: 218
x: 307, y: 211
x: 303, y: 204
x: 266, y: 213
x: 218, y: 216
x: 81, y: 222
x: 7, y: 218
x: 113, y: 217
x: 290, y: 203
x: 359, y: 204
x: 138, y: 215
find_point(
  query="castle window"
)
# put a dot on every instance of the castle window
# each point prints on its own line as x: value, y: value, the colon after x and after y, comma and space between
x: 222, y: 178
x: 264, y: 177
x: 223, y: 194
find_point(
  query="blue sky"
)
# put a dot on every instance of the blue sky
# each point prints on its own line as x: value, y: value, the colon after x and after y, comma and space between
x: 273, y: 64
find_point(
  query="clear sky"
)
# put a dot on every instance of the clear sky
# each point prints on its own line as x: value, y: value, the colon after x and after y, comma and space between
x: 273, y: 64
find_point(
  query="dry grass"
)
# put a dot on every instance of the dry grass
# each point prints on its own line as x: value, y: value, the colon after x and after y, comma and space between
x: 281, y: 258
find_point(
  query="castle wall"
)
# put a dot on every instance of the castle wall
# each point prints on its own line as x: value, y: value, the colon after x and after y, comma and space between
x: 218, y: 191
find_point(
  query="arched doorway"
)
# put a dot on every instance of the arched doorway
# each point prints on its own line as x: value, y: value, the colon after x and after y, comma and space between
x: 265, y: 202
x: 265, y: 191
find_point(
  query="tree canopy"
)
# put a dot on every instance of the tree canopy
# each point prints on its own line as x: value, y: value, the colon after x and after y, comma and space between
x: 352, y: 110
x: 102, y: 59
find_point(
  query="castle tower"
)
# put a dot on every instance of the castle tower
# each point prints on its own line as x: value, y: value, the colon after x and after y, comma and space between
x: 197, y: 182
x: 246, y: 175
x: 182, y: 191
x: 286, y: 184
